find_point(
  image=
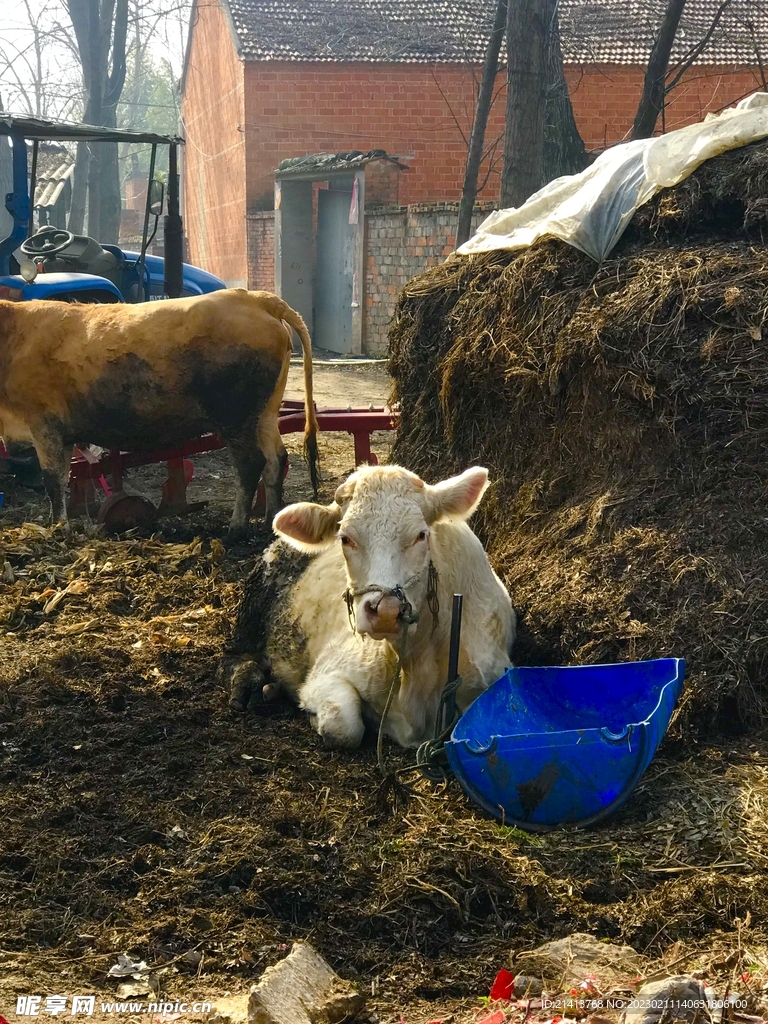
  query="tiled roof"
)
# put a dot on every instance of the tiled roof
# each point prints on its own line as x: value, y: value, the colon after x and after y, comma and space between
x: 623, y: 31
x: 421, y: 31
x: 450, y: 31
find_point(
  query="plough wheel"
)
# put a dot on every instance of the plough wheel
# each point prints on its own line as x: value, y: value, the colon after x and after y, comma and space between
x: 122, y: 512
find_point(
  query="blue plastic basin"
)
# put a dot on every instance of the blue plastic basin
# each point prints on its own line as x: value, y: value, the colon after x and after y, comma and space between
x: 547, y: 747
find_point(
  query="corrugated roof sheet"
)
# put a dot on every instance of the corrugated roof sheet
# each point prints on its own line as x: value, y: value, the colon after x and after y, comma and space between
x: 61, y: 131
x: 315, y: 163
x: 50, y: 185
x: 450, y: 31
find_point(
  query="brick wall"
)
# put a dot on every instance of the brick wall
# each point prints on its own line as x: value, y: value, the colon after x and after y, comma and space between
x: 401, y: 243
x: 293, y: 109
x: 261, y: 250
x: 213, y: 169
x: 605, y: 98
x: 243, y: 119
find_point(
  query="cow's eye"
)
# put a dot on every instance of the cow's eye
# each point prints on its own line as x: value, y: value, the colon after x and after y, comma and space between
x: 422, y: 536
x: 346, y: 541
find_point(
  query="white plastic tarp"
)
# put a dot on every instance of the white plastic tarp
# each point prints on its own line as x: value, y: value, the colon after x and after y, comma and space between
x: 591, y: 210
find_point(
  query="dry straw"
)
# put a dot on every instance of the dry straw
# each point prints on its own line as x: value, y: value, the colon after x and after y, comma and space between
x: 623, y: 412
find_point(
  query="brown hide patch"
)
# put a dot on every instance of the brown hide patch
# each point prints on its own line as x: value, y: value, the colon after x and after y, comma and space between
x: 146, y: 374
x: 139, y: 406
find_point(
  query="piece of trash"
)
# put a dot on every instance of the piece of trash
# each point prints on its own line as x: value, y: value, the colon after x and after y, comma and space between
x: 194, y: 957
x: 495, y: 1018
x: 503, y: 986
x: 246, y: 757
x: 688, y: 995
x: 137, y: 988
x: 127, y: 968
x: 8, y: 574
x: 178, y: 833
x: 590, y: 986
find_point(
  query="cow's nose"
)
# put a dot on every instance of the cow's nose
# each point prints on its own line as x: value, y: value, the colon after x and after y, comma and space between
x: 382, y: 614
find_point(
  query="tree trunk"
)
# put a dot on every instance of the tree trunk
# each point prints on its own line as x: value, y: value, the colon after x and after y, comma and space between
x: 111, y: 202
x: 527, y: 60
x: 477, y: 138
x: 101, y: 28
x: 564, y: 151
x: 652, y: 99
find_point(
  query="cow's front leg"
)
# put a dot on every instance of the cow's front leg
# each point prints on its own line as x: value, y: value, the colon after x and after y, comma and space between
x: 334, y: 707
x: 55, y: 459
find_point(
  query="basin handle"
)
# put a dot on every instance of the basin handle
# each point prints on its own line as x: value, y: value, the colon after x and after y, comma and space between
x: 478, y: 749
x: 617, y: 737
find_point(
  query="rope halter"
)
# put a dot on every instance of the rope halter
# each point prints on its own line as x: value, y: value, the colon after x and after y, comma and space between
x: 408, y: 616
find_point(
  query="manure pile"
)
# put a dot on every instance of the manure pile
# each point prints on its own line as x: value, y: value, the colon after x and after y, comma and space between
x: 622, y: 410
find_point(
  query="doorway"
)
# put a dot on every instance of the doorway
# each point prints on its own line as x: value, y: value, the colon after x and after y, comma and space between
x: 334, y: 268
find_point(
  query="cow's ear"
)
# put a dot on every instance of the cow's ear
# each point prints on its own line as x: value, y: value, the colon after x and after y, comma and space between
x: 457, y: 497
x: 307, y: 526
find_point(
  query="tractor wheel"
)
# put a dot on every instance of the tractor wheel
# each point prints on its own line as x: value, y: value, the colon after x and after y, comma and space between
x: 122, y: 512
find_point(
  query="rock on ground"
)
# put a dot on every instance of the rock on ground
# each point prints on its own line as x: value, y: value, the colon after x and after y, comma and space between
x: 568, y: 961
x: 302, y: 989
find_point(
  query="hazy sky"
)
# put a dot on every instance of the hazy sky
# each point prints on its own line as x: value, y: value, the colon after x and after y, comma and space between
x: 46, y: 79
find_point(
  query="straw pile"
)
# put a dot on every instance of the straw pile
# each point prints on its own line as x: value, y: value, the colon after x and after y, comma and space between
x: 623, y: 413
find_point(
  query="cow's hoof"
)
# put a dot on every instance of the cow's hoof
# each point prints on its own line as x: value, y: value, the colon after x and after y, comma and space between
x: 238, y: 535
x: 246, y: 681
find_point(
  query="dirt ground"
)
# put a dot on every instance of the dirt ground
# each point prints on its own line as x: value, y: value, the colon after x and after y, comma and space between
x: 139, y: 816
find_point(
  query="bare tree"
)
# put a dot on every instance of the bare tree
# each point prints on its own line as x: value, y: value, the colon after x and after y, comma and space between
x: 540, y: 146
x: 101, y: 30
x: 659, y: 79
x: 477, y: 138
x: 564, y: 150
x: 37, y: 79
x: 528, y: 27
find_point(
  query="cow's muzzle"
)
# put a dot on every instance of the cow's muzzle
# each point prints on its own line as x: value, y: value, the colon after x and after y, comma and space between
x: 382, y: 615
x: 387, y: 610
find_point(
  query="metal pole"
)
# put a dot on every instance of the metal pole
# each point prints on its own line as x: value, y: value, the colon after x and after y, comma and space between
x: 449, y: 701
x: 173, y: 234
x: 16, y: 202
x: 145, y: 232
x: 32, y: 186
x: 453, y: 652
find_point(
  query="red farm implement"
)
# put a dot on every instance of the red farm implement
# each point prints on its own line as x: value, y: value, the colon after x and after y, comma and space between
x: 121, y: 511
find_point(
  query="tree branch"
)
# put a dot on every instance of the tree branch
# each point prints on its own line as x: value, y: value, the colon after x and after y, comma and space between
x: 697, y: 50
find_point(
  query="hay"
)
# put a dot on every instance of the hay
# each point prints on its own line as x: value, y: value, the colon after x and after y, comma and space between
x: 623, y: 413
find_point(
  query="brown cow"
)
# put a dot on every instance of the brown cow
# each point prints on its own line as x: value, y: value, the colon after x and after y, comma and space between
x: 151, y: 376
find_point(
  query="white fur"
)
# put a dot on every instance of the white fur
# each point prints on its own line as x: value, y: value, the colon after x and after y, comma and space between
x: 350, y: 674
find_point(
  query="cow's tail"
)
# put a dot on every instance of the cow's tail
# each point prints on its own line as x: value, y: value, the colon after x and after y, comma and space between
x: 284, y: 312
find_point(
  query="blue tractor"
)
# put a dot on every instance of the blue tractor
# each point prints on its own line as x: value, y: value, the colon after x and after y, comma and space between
x: 53, y: 263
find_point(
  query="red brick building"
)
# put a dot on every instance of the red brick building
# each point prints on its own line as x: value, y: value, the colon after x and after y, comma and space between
x: 265, y: 80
